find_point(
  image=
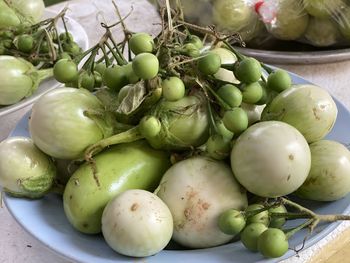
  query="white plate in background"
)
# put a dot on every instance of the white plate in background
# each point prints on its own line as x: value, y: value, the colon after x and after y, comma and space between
x: 80, y: 37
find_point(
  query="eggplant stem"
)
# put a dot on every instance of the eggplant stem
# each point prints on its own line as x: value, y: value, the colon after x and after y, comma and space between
x: 291, y: 232
x: 170, y: 21
x: 130, y: 135
x: 297, y: 206
x: 44, y: 74
x: 290, y: 216
x: 105, y: 56
x: 332, y: 218
x: 217, y: 97
x: 238, y: 54
x: 119, y: 60
x: 314, y: 223
x: 123, y: 60
x: 257, y: 211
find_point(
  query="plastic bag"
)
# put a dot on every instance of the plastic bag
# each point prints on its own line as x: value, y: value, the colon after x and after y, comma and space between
x: 316, y: 22
x: 319, y: 23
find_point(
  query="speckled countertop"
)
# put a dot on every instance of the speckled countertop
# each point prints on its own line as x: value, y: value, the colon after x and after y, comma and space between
x: 18, y: 246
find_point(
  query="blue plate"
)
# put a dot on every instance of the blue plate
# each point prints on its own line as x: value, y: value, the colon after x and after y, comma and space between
x: 45, y: 220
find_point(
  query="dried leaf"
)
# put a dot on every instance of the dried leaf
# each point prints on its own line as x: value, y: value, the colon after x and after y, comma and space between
x: 132, y: 101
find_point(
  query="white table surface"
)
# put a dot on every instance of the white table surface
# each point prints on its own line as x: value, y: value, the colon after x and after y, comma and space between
x: 17, y: 246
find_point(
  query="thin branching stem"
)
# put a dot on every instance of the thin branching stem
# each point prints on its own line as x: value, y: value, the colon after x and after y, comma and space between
x: 297, y: 206
x: 291, y: 232
x: 119, y: 60
x: 121, y: 56
x: 105, y: 56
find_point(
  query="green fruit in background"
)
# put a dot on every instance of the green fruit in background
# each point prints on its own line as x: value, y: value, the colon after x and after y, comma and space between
x: 344, y: 23
x: 237, y: 16
x: 255, y: 27
x: 290, y: 21
x: 322, y: 32
x: 323, y: 8
x: 231, y: 15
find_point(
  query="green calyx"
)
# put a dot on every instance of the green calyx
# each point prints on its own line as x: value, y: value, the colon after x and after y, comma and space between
x: 35, y: 187
x: 184, y: 123
x: 37, y: 77
x: 105, y: 120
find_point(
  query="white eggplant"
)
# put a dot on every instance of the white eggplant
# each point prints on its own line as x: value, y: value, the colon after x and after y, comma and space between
x: 271, y: 159
x: 329, y: 177
x: 137, y: 223
x: 197, y: 191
